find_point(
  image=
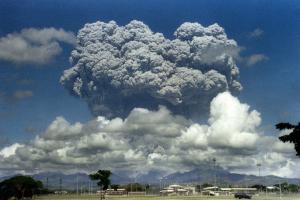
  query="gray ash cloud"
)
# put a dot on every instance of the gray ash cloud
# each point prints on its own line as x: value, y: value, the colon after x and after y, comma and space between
x: 117, y: 68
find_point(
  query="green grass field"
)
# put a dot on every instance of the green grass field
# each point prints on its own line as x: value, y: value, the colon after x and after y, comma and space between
x: 94, y: 197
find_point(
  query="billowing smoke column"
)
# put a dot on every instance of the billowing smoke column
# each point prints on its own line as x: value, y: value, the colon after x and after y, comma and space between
x: 117, y: 68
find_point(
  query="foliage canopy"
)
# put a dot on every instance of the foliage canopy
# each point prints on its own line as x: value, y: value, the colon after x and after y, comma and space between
x: 19, y: 187
x: 102, y: 176
x: 293, y: 137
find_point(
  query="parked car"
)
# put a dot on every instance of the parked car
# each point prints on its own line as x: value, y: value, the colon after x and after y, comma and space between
x: 242, y: 195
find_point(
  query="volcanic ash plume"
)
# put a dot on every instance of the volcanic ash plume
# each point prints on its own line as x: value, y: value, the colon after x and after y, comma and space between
x: 117, y: 68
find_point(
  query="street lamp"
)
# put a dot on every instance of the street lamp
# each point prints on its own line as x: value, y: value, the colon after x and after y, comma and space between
x: 259, y: 166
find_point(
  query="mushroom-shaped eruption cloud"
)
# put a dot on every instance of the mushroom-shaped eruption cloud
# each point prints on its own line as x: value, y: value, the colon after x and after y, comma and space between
x: 117, y: 68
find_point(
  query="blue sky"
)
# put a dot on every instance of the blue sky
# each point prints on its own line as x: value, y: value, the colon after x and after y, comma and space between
x: 271, y: 86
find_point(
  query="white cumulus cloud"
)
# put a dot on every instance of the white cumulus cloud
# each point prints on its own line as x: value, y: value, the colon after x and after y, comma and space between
x: 156, y: 140
x: 10, y: 150
x: 31, y: 45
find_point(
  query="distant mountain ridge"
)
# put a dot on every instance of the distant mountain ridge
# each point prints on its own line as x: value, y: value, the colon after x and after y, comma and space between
x: 197, y: 176
x: 223, y: 177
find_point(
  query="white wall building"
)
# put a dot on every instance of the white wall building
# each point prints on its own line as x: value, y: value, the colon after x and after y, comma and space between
x: 177, y: 190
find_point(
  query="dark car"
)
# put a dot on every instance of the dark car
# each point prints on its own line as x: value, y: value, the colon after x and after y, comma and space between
x: 242, y: 195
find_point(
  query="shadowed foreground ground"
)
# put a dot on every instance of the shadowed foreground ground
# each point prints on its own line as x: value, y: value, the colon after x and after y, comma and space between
x: 94, y: 197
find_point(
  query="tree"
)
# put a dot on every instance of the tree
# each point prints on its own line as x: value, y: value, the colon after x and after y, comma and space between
x: 293, y: 137
x: 285, y: 187
x: 293, y: 188
x: 198, y: 188
x: 115, y: 186
x: 204, y: 185
x: 19, y: 187
x: 102, y: 176
x: 259, y: 187
x: 134, y: 187
x: 147, y: 187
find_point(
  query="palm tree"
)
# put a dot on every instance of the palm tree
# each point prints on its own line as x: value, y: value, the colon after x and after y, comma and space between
x: 293, y: 137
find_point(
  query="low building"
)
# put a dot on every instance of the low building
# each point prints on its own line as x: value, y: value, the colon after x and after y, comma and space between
x: 177, y: 190
x: 120, y: 191
x: 216, y: 191
x: 210, y: 191
x: 246, y: 190
x: 61, y: 192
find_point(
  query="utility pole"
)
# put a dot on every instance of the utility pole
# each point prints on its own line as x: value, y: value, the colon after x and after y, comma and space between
x: 135, y: 181
x: 131, y: 187
x: 166, y: 181
x: 77, y: 185
x: 89, y: 187
x: 47, y: 183
x: 160, y: 183
x: 259, y: 166
x: 280, y: 190
x: 215, y: 173
x: 60, y: 185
